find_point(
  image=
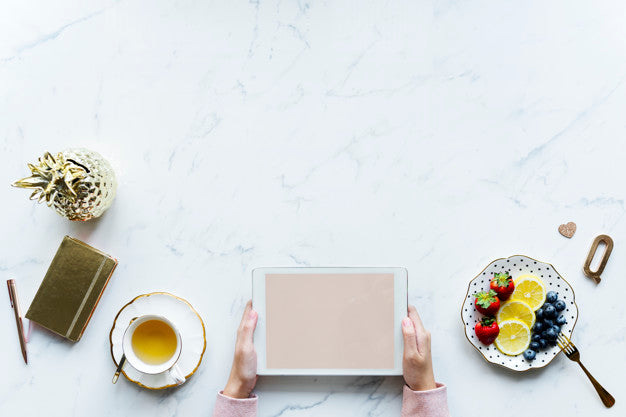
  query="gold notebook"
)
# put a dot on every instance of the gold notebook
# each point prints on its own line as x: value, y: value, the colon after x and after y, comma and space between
x: 71, y: 289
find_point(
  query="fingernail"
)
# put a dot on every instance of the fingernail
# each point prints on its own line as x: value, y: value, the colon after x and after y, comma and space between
x: 252, y: 314
x: 406, y: 322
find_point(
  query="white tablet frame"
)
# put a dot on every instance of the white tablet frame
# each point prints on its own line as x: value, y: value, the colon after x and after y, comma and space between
x: 400, y: 311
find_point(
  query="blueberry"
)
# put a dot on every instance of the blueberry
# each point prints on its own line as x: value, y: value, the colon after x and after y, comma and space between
x: 560, y: 305
x: 551, y: 334
x: 547, y: 323
x: 539, y: 314
x: 556, y: 328
x: 536, y: 337
x: 535, y: 346
x: 543, y: 343
x: 538, y: 327
x: 561, y: 320
x: 529, y: 355
x: 549, y: 311
x: 552, y: 342
x: 551, y: 296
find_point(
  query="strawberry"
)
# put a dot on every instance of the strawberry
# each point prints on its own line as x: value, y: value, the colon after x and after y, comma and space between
x: 487, y: 330
x: 487, y: 302
x: 502, y: 284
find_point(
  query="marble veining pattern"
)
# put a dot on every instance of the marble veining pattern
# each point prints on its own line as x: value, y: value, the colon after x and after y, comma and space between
x: 435, y: 135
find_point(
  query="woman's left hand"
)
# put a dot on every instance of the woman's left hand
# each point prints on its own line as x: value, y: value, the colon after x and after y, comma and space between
x: 243, y: 373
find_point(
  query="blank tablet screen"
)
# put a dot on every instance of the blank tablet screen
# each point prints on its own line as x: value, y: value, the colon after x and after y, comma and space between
x: 331, y: 321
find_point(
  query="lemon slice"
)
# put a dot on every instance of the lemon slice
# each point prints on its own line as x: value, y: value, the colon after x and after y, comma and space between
x: 514, y: 337
x: 516, y: 309
x: 529, y: 289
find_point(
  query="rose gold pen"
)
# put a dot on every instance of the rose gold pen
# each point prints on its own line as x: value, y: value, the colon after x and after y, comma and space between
x: 18, y: 318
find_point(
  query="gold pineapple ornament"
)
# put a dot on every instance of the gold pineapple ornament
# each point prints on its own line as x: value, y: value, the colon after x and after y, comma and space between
x: 79, y: 183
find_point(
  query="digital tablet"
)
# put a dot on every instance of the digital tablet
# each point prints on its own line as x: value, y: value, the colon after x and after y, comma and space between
x: 329, y: 321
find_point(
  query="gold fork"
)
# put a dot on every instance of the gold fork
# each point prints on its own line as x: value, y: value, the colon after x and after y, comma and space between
x: 571, y: 351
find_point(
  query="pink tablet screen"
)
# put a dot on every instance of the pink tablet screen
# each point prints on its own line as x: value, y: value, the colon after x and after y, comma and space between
x: 330, y: 321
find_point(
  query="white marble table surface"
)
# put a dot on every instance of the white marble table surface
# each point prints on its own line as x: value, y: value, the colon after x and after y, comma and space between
x: 432, y: 135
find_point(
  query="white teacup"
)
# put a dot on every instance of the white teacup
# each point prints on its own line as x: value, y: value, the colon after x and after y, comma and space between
x: 134, y: 358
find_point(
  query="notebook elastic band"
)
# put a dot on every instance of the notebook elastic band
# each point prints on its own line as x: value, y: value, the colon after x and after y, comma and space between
x: 82, y: 304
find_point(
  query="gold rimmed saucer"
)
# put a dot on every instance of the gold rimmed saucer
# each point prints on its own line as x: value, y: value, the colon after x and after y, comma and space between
x: 185, y: 318
x: 518, y: 265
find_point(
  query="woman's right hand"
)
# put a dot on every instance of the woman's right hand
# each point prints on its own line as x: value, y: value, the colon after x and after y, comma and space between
x: 417, y: 364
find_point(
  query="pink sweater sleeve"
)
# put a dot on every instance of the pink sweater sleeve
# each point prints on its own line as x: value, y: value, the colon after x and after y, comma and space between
x: 235, y: 407
x: 432, y: 403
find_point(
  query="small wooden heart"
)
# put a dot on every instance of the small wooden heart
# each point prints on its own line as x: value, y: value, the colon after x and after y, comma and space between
x: 568, y: 229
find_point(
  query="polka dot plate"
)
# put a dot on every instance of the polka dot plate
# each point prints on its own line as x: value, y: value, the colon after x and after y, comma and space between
x: 518, y: 265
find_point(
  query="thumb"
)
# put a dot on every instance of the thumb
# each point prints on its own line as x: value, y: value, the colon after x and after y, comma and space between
x: 410, y: 340
x: 248, y: 325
